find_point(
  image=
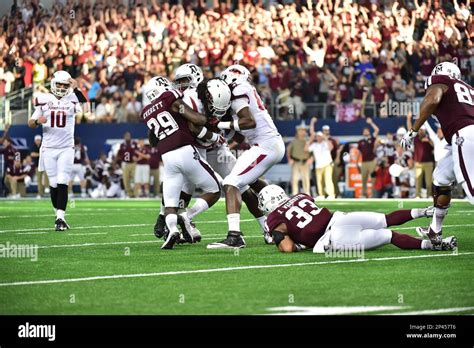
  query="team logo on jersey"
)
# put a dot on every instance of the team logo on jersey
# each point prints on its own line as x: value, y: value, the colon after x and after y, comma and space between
x: 459, y: 141
x: 196, y: 155
x: 50, y: 104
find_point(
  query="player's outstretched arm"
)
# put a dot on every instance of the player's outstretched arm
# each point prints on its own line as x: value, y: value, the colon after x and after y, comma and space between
x: 189, y: 114
x: 430, y: 102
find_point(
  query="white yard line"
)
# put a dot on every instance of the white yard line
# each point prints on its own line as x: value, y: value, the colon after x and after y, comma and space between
x: 224, y: 269
x: 197, y: 222
x: 435, y: 311
x: 111, y: 226
x: 32, y: 233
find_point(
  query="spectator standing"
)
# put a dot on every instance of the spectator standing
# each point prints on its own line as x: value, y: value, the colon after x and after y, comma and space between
x: 142, y: 170
x: 335, y: 144
x: 366, y: 148
x: 300, y: 160
x: 154, y: 162
x: 125, y: 157
x: 439, y: 142
x: 321, y: 149
x: 423, y: 157
x: 41, y: 177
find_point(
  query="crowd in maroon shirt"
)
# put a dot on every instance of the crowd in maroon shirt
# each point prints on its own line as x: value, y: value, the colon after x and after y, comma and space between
x: 332, y: 51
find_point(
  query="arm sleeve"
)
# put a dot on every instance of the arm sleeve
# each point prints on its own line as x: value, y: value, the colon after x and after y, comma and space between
x: 80, y: 97
x: 38, y: 112
x: 240, y: 98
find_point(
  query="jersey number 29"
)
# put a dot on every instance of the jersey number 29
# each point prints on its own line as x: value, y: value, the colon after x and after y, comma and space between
x: 163, y: 125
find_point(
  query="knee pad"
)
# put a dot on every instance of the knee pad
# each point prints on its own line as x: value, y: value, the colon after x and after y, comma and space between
x: 441, y: 191
x: 63, y: 179
x: 231, y: 181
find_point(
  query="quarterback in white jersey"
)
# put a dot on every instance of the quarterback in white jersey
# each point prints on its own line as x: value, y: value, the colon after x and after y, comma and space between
x: 267, y: 148
x: 55, y: 112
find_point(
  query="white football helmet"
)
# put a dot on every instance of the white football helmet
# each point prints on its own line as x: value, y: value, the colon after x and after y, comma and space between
x: 270, y: 198
x: 447, y: 68
x: 236, y: 74
x: 188, y: 75
x: 60, y: 85
x: 218, y: 97
x: 156, y: 86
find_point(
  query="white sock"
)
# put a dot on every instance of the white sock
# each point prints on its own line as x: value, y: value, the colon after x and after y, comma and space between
x: 261, y: 220
x: 234, y: 222
x: 417, y: 213
x: 198, y: 207
x: 162, y: 209
x: 438, y: 218
x: 60, y: 214
x: 172, y: 222
x: 83, y: 190
x: 426, y: 244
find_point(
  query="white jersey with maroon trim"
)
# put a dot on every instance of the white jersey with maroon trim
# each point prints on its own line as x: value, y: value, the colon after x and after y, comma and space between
x: 190, y: 97
x: 244, y: 94
x: 58, y: 131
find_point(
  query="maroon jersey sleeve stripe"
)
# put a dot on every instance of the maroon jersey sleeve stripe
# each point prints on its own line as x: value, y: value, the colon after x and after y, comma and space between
x: 239, y: 96
x: 210, y: 171
x: 464, y: 170
x: 195, y: 108
x: 254, y: 163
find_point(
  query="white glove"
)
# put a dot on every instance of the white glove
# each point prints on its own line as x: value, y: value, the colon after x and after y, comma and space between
x: 407, y: 141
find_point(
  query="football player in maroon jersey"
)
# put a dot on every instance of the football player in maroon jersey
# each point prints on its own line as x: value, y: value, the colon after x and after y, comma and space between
x: 297, y: 223
x: 173, y: 126
x: 452, y: 102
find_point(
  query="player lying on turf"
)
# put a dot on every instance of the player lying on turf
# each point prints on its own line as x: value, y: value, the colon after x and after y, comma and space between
x: 297, y: 223
x: 56, y: 112
x: 172, y: 127
x: 452, y: 102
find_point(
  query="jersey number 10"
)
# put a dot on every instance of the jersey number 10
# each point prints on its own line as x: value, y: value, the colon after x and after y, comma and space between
x: 58, y: 119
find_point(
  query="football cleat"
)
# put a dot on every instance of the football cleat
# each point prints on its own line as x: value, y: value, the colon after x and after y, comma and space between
x: 267, y: 237
x: 428, y: 233
x: 186, y: 228
x: 160, y: 229
x: 234, y: 240
x: 422, y: 232
x: 61, y: 225
x: 449, y: 243
x: 170, y: 240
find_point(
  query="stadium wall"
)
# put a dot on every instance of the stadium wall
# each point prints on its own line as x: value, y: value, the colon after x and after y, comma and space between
x: 99, y: 137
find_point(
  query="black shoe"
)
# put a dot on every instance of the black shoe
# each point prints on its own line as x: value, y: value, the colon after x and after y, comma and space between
x: 61, y: 225
x: 185, y: 226
x: 234, y: 240
x: 160, y: 229
x: 170, y: 240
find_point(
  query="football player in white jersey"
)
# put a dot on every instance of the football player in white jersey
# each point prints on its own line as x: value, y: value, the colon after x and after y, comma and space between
x: 55, y: 112
x: 267, y: 148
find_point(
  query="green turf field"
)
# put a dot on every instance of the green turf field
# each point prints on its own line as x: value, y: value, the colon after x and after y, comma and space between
x: 111, y: 263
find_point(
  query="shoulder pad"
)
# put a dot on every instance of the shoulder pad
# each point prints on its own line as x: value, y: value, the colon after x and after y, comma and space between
x: 439, y: 79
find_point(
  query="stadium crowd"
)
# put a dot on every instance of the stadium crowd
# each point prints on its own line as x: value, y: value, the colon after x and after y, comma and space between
x: 331, y: 51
